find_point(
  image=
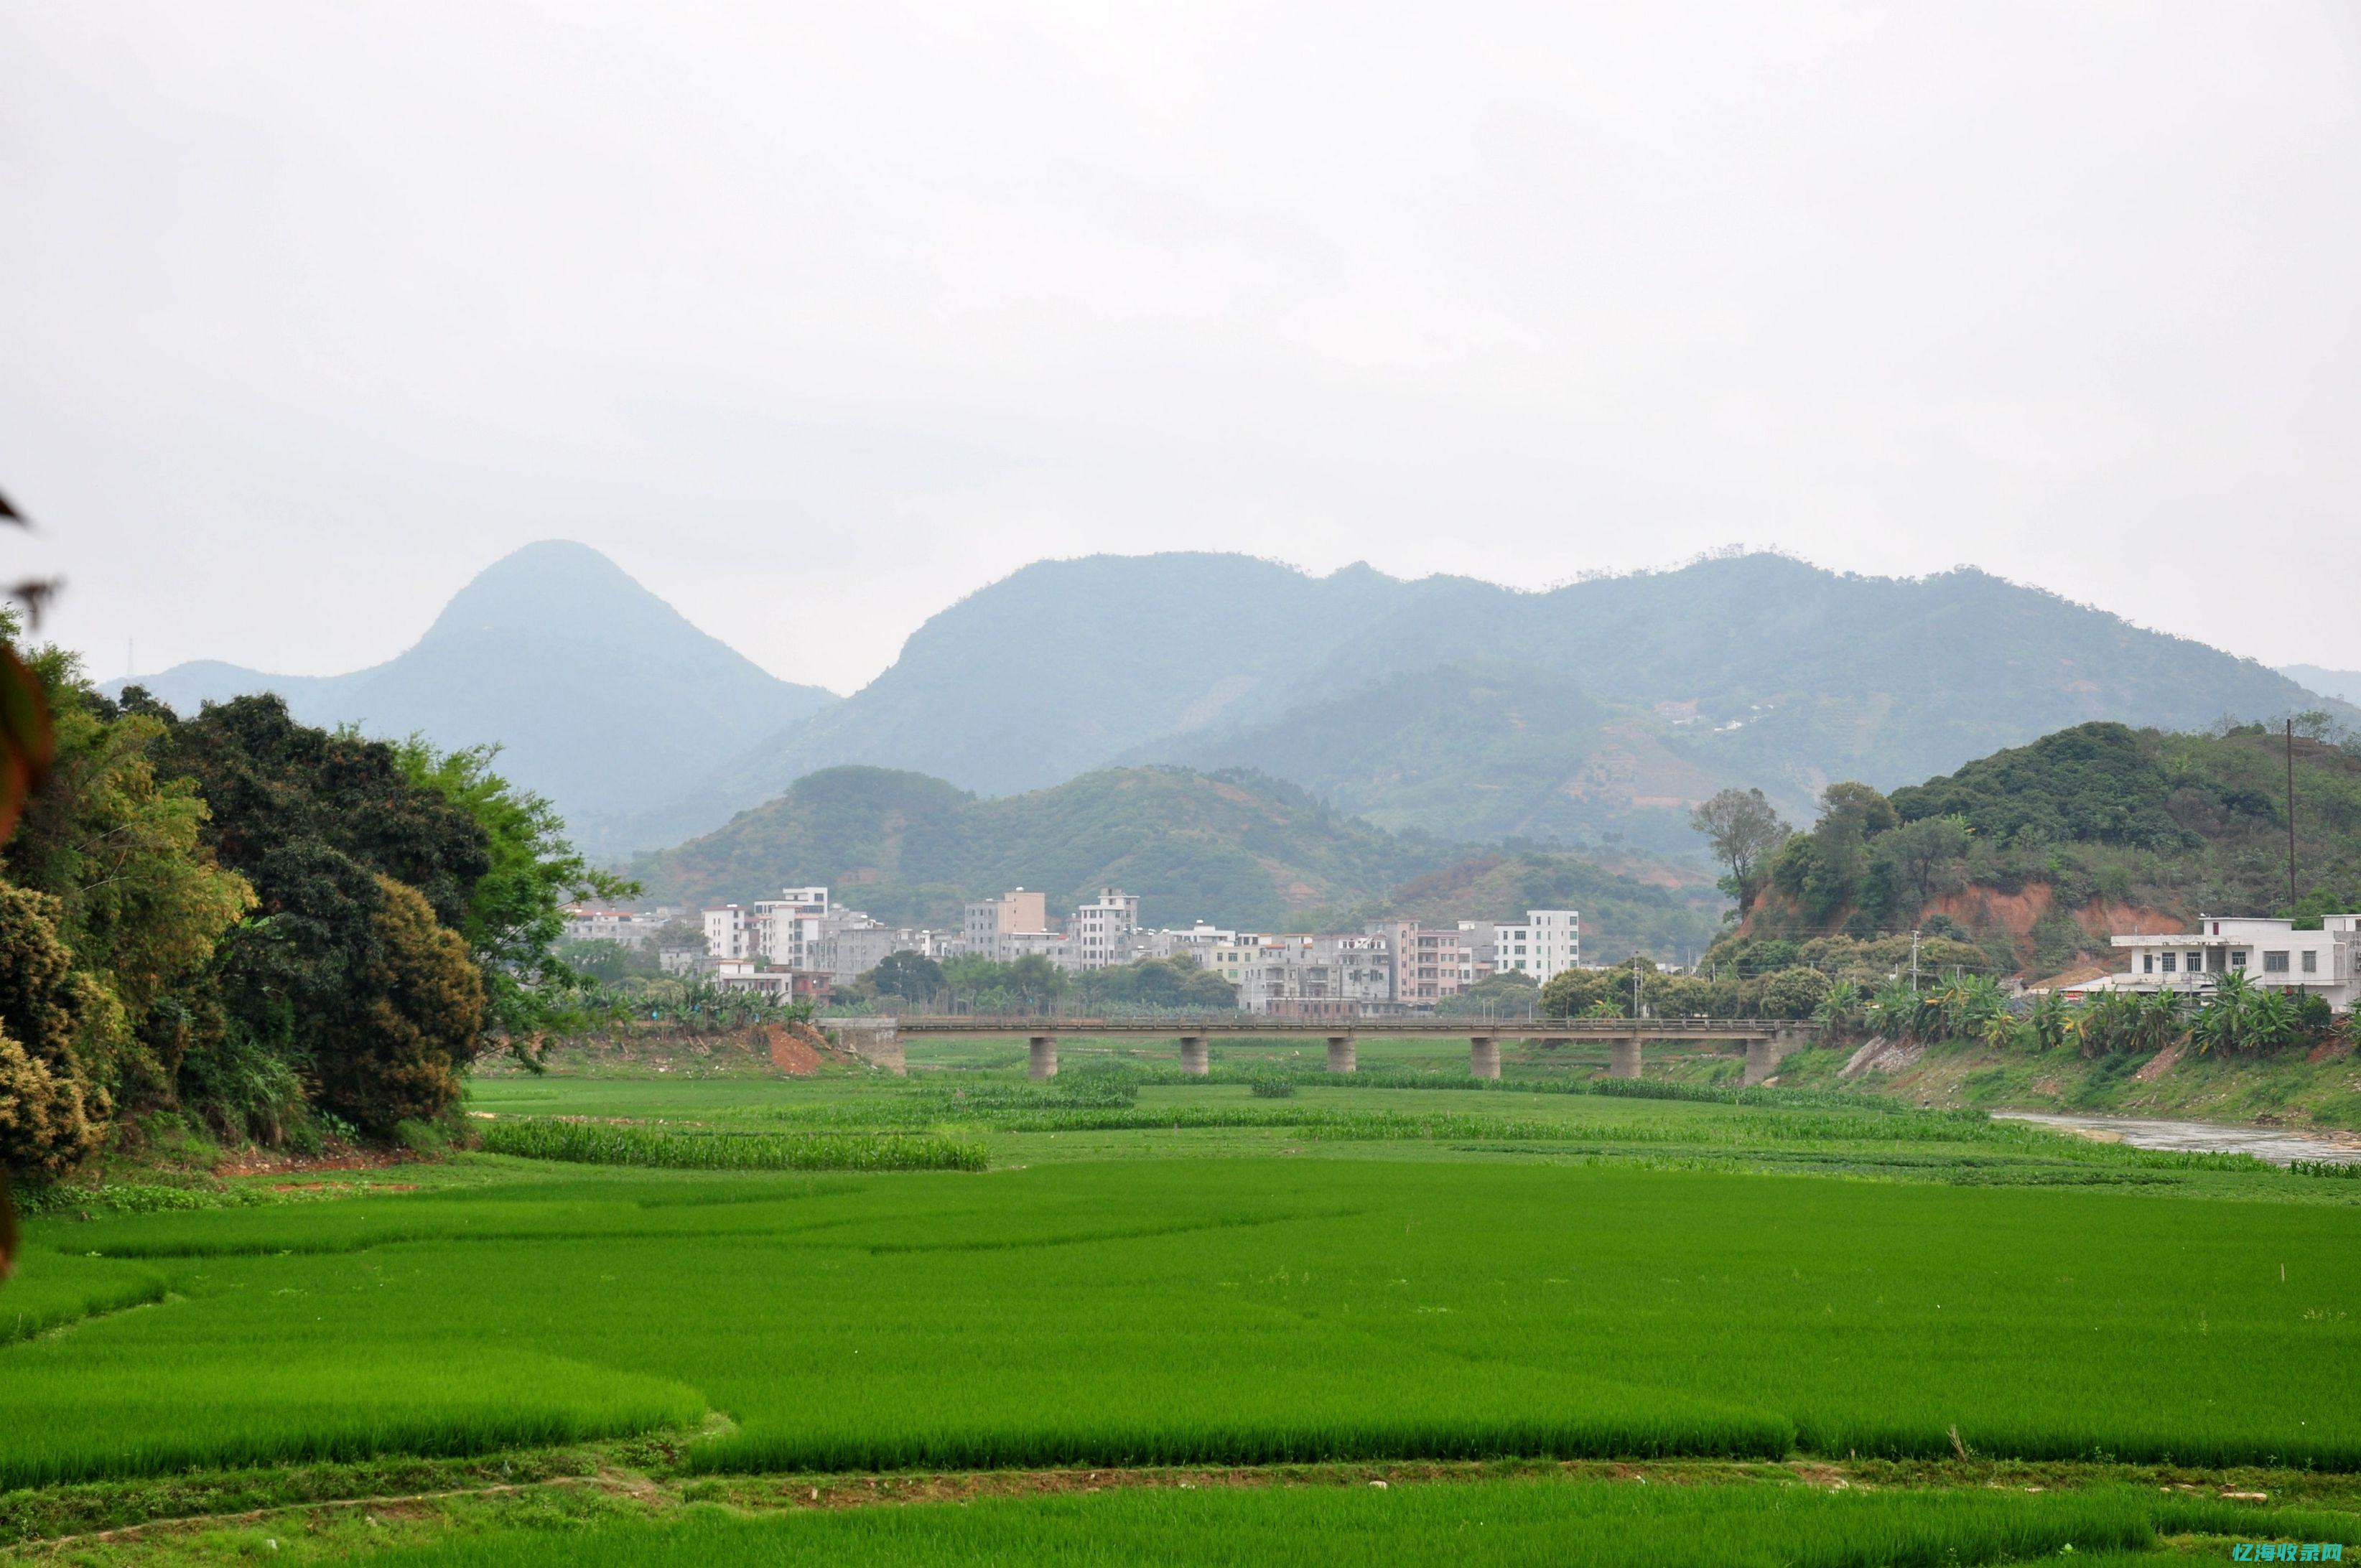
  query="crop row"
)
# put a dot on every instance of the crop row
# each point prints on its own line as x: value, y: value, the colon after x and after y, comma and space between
x: 602, y: 1143
x: 1408, y: 1526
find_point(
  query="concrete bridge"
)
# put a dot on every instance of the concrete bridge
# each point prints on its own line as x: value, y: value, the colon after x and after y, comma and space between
x: 1766, y: 1041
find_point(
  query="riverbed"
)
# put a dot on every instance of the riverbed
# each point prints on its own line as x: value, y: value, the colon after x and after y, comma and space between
x: 2280, y: 1146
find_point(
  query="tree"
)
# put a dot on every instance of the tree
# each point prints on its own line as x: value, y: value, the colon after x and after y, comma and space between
x: 1574, y: 992
x: 142, y: 903
x: 321, y: 982
x: 515, y: 910
x: 914, y: 977
x: 1839, y: 1011
x: 1510, y: 994
x: 1791, y: 993
x: 418, y: 1008
x: 52, y: 1113
x: 1927, y: 853
x: 1745, y: 831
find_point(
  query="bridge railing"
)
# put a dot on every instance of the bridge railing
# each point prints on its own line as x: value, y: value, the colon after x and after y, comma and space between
x: 1231, y: 1023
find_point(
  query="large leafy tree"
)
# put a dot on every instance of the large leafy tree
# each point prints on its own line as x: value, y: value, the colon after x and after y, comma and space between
x: 419, y: 1011
x: 514, y: 913
x: 1745, y: 831
x: 326, y: 978
x: 53, y: 1109
x: 141, y: 901
x: 914, y: 977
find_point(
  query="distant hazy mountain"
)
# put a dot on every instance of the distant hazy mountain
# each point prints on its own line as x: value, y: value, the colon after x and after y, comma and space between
x: 1063, y: 668
x: 2343, y: 685
x: 1235, y: 849
x: 1595, y: 710
x: 601, y: 696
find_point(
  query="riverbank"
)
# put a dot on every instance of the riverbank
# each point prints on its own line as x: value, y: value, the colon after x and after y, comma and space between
x: 2320, y: 1090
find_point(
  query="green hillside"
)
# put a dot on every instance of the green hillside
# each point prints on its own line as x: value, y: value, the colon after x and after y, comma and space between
x: 2048, y: 846
x: 1481, y: 752
x: 1235, y: 849
x: 1672, y: 921
x: 1230, y: 848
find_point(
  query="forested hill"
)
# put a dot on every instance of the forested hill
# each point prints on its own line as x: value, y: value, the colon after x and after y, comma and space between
x: 2050, y: 846
x: 1235, y: 849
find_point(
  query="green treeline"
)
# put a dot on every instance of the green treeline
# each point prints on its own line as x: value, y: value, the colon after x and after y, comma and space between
x: 281, y: 930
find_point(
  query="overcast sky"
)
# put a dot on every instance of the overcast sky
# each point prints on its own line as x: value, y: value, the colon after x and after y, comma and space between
x: 817, y: 318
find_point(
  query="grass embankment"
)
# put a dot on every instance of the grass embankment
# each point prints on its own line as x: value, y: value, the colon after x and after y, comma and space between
x: 2288, y: 1090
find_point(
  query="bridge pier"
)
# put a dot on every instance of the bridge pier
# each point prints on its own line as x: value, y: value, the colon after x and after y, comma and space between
x: 1041, y: 1057
x: 1342, y: 1055
x: 1763, y: 1055
x: 1484, y: 1055
x: 1194, y: 1058
x: 1627, y: 1058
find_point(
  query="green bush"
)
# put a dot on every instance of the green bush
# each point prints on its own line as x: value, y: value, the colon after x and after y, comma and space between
x: 594, y: 1143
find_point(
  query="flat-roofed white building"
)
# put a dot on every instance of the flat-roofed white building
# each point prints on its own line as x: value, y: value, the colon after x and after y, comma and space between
x: 732, y: 932
x: 1543, y: 943
x: 2269, y: 952
x: 1099, y: 934
x: 1310, y: 976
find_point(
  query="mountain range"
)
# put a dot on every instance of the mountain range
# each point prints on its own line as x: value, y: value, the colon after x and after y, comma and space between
x: 1590, y: 715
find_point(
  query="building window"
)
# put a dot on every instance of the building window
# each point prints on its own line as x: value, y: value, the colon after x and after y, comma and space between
x: 2310, y: 961
x: 2168, y: 963
x: 2275, y: 962
x: 2237, y: 958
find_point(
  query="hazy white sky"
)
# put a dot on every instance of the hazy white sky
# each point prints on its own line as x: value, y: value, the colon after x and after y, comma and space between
x: 817, y: 317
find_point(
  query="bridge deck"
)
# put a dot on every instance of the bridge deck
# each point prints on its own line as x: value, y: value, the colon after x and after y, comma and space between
x: 1452, y: 1029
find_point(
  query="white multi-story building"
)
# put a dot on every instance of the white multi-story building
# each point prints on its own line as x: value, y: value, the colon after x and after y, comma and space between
x: 1312, y: 976
x: 731, y: 932
x: 2273, y: 953
x: 632, y: 928
x: 1099, y: 935
x: 791, y: 923
x: 1546, y: 942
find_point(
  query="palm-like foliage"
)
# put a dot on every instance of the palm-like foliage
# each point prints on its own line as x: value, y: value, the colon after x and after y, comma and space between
x: 2222, y: 1022
x: 2271, y: 1021
x: 1895, y: 1011
x: 2004, y: 1030
x: 2054, y: 1022
x: 1839, y: 1010
x: 1961, y: 1006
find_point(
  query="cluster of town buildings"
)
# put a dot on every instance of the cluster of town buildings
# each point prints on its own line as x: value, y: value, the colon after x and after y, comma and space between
x: 801, y: 943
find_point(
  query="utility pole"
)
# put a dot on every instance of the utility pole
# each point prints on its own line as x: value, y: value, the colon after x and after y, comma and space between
x: 1635, y: 985
x: 1914, y: 963
x: 2290, y: 765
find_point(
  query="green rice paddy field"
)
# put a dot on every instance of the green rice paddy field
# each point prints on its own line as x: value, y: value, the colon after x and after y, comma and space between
x: 1124, y: 1319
